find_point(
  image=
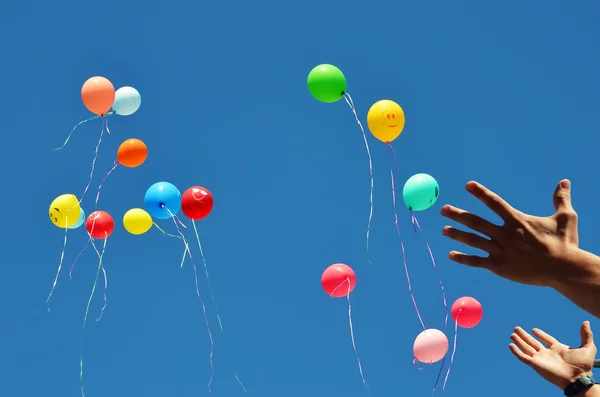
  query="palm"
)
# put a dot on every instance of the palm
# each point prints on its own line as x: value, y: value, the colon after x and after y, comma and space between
x: 555, y: 361
x: 561, y: 362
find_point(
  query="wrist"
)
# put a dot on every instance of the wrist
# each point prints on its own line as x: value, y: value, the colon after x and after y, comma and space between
x: 572, y: 385
x: 593, y: 391
x: 573, y: 268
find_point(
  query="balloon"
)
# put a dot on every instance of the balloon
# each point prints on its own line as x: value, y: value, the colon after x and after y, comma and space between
x: 196, y: 202
x: 98, y: 95
x: 132, y: 153
x: 80, y: 220
x: 430, y: 346
x: 335, y: 280
x: 420, y: 192
x: 467, y: 312
x: 100, y: 224
x: 160, y: 197
x: 386, y: 120
x: 137, y: 221
x: 127, y: 101
x: 64, y: 210
x: 326, y: 83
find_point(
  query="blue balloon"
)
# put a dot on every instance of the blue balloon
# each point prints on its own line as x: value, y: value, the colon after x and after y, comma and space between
x: 80, y: 220
x: 159, y: 197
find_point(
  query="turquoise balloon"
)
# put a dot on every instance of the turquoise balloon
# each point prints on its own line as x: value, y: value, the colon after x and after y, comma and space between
x: 420, y: 192
x: 127, y: 101
x: 80, y: 220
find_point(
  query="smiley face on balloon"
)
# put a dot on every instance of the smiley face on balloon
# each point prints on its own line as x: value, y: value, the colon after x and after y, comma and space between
x: 64, y: 211
x: 386, y: 120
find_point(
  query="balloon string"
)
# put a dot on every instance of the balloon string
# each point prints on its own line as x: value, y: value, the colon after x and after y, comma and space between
x: 352, y: 337
x: 107, y: 114
x: 93, y: 162
x: 174, y: 236
x: 101, y: 183
x: 73, y: 130
x: 350, y: 103
x: 78, y: 256
x: 62, y: 257
x: 179, y: 220
x: 213, y: 297
x: 105, y: 288
x: 453, y: 348
x: 87, y: 310
x: 212, y: 343
x: 207, y: 277
x: 187, y: 247
x: 416, y: 226
x: 412, y: 295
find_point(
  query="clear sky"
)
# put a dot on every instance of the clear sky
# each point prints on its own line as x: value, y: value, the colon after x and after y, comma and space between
x: 505, y: 93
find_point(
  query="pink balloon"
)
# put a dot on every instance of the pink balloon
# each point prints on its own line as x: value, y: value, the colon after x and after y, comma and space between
x: 338, y: 280
x: 467, y: 312
x: 430, y: 346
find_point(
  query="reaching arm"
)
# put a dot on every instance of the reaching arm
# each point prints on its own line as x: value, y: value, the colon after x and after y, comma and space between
x: 582, y: 284
x: 593, y: 391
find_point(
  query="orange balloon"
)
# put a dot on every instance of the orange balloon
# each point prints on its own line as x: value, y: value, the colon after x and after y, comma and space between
x: 98, y: 95
x: 132, y: 153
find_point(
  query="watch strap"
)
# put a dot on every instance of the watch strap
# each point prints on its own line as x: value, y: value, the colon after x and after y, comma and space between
x: 580, y: 385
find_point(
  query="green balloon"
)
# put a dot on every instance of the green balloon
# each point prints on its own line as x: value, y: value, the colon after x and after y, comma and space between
x: 326, y: 83
x: 420, y: 192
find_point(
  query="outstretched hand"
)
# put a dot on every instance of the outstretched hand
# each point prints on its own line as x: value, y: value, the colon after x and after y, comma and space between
x: 526, y: 248
x: 557, y: 363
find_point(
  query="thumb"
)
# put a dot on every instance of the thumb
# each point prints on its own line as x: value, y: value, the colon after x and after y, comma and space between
x: 587, y: 337
x: 562, y: 196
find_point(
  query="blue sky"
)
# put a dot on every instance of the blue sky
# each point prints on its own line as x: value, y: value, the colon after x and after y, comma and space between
x: 505, y: 93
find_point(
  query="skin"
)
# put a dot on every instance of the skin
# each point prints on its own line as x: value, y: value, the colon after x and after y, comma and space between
x: 557, y: 363
x: 528, y: 249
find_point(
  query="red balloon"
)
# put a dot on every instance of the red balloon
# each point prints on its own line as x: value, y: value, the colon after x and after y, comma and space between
x: 467, y: 312
x: 337, y: 278
x: 196, y: 202
x: 100, y: 224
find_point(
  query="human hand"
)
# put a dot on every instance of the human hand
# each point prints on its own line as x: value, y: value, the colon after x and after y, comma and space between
x: 526, y: 248
x: 555, y: 362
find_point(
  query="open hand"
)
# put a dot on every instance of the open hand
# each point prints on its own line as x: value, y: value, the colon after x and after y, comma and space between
x: 526, y: 248
x: 555, y: 362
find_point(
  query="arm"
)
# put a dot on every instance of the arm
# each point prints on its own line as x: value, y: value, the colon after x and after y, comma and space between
x: 593, y: 391
x: 582, y: 284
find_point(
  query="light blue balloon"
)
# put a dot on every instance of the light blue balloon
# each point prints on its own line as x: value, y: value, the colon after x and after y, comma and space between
x: 420, y: 192
x: 80, y: 220
x: 159, y: 197
x: 127, y: 101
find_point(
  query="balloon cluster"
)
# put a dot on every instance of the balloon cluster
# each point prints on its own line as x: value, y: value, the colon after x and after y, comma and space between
x: 386, y: 121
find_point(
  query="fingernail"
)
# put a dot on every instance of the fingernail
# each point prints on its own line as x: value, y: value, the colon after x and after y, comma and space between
x: 565, y: 184
x: 445, y: 230
x: 444, y: 210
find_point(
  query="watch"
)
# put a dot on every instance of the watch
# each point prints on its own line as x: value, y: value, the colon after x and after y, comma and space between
x: 580, y: 385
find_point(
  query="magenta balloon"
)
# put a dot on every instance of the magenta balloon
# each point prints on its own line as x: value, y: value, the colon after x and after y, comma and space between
x: 430, y: 346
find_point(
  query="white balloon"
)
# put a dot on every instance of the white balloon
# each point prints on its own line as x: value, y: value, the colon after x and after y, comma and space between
x: 127, y: 101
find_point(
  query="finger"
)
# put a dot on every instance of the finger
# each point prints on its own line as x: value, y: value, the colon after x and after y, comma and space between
x: 562, y: 196
x: 548, y: 340
x: 471, y: 221
x: 470, y: 239
x: 469, y: 260
x: 522, y: 345
x: 587, y: 336
x: 491, y: 200
x: 524, y: 358
x: 530, y: 340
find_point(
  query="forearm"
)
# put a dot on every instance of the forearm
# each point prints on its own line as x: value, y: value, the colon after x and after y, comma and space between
x: 593, y: 391
x: 581, y: 284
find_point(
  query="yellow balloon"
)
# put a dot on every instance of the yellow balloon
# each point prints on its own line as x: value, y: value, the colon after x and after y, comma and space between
x: 64, y: 211
x: 386, y: 120
x: 137, y: 221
